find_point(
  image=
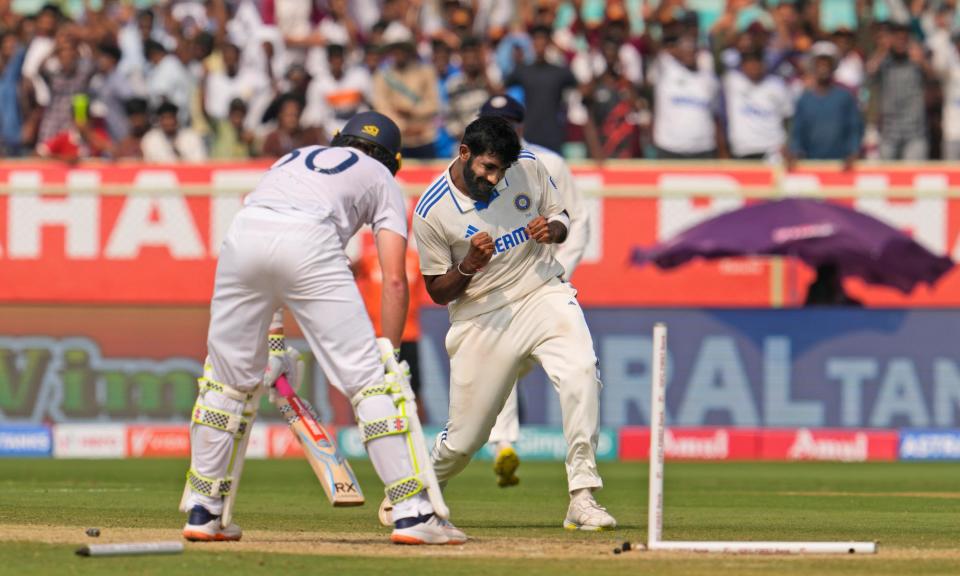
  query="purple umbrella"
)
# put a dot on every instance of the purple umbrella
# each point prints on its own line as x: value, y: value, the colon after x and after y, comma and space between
x: 817, y: 232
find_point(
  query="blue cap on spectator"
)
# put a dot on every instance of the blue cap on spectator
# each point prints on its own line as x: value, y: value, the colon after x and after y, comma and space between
x: 505, y: 107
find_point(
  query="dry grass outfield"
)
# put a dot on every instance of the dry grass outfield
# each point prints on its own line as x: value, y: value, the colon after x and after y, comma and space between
x: 376, y: 544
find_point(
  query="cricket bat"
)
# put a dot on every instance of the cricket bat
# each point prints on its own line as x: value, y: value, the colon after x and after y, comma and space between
x: 333, y: 470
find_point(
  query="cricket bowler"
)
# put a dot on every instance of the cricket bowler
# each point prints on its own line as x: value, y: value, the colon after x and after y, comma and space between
x: 484, y: 229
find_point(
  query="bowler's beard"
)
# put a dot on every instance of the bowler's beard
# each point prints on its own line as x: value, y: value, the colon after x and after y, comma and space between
x: 478, y: 188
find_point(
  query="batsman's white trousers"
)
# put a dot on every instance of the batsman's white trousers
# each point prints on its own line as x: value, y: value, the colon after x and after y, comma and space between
x: 271, y: 259
x: 487, y: 353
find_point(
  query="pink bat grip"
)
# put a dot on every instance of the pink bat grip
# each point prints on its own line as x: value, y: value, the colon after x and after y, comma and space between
x: 283, y: 387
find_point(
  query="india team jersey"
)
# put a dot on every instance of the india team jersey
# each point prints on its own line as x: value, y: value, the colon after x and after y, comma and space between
x: 341, y: 185
x: 445, y: 218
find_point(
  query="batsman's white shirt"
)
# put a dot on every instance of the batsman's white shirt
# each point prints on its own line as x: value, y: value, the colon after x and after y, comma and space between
x: 446, y: 218
x: 338, y: 185
x: 286, y: 248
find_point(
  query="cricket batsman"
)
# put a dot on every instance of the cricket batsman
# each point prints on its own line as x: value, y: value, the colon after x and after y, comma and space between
x: 286, y: 248
x: 485, y: 228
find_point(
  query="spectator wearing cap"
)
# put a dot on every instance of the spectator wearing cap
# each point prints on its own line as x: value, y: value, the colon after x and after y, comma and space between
x: 112, y: 88
x: 11, y: 120
x: 168, y: 142
x: 757, y: 106
x: 898, y: 70
x: 290, y: 133
x: 544, y: 85
x: 468, y: 90
x: 338, y: 94
x: 946, y: 64
x: 231, y: 140
x: 827, y: 124
x: 138, y: 122
x: 405, y: 90
x: 686, y: 106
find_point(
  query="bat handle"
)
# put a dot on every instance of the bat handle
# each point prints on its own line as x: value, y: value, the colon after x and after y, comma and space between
x: 283, y: 386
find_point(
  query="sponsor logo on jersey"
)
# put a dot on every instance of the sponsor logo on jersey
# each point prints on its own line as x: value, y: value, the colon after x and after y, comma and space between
x: 522, y: 202
x: 471, y: 230
x: 370, y: 129
x: 510, y: 240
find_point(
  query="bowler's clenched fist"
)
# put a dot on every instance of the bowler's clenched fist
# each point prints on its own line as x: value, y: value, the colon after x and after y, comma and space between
x: 479, y: 254
x: 539, y: 230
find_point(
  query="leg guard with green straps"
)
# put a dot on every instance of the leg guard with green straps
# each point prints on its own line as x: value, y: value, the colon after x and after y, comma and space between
x: 219, y: 433
x: 390, y: 429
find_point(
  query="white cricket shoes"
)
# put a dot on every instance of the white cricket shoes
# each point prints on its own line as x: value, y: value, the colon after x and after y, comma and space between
x: 427, y: 529
x: 585, y: 514
x: 202, y: 526
x: 505, y: 467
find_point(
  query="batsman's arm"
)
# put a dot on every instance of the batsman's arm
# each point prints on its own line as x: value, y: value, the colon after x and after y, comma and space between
x: 392, y: 252
x: 448, y: 287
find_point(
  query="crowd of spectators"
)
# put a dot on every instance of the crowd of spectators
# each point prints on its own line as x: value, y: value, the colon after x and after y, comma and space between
x: 190, y: 80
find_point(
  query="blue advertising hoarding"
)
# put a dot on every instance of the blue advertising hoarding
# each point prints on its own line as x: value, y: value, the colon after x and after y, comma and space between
x: 930, y: 444
x: 22, y: 441
x: 837, y: 368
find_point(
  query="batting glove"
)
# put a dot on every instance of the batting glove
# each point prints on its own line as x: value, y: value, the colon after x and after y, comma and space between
x: 286, y: 362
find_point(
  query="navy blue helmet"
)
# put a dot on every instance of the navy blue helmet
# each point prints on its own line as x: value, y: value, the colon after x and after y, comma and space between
x: 376, y: 128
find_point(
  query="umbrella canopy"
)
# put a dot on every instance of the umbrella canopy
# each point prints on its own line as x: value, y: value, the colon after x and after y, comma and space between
x: 817, y: 232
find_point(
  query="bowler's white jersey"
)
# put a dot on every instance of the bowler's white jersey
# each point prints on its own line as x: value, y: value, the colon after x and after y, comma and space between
x: 340, y: 185
x: 445, y: 218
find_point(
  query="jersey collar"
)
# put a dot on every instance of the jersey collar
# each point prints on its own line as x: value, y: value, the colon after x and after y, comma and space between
x: 463, y: 202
